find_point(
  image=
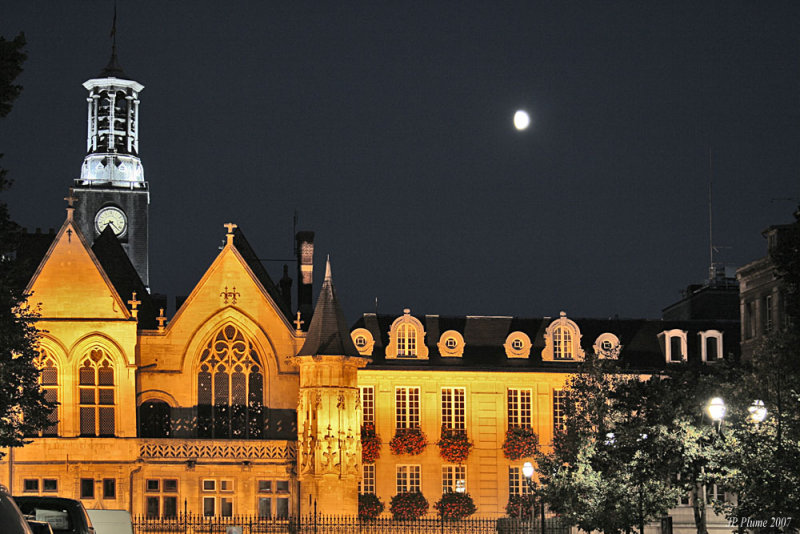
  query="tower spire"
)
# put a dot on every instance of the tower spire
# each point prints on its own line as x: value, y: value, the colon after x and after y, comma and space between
x: 113, y: 69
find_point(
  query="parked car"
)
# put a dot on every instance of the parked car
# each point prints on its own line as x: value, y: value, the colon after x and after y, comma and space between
x: 111, y: 521
x: 10, y: 516
x: 40, y: 527
x: 66, y: 516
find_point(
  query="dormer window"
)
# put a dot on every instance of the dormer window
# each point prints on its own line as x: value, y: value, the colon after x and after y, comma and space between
x: 363, y: 340
x: 562, y: 341
x: 710, y: 345
x: 518, y: 345
x: 451, y: 344
x: 407, y: 338
x: 673, y: 343
x: 607, y: 345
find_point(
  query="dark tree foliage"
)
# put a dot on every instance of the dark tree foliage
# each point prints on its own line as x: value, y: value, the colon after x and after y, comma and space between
x: 23, y: 409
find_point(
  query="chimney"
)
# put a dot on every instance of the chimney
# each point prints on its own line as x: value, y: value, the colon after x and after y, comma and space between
x: 305, y: 274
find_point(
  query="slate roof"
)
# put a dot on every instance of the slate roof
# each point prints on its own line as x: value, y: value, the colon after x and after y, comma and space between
x: 484, y: 338
x: 251, y: 258
x: 328, y: 333
x: 123, y: 276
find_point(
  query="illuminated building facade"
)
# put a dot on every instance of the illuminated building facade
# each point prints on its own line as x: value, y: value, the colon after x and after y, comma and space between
x: 241, y: 404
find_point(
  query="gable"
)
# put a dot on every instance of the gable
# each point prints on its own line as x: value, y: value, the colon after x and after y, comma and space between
x: 71, y: 283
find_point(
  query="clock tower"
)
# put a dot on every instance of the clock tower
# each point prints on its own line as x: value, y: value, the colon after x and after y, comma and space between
x: 111, y: 190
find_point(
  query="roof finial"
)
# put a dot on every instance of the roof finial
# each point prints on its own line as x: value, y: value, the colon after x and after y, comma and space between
x: 71, y: 199
x: 231, y: 227
x: 328, y: 276
x: 113, y: 70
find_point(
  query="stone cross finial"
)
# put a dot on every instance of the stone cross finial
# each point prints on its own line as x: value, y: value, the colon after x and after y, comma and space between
x: 297, y: 322
x: 161, y: 320
x: 71, y: 199
x: 134, y: 305
x: 231, y: 227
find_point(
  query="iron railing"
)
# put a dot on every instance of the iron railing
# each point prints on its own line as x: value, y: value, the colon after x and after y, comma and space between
x: 329, y: 524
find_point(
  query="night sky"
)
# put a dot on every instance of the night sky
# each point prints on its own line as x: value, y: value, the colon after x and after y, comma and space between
x: 388, y: 128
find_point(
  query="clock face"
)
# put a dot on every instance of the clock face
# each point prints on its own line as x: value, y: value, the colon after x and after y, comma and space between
x: 111, y: 216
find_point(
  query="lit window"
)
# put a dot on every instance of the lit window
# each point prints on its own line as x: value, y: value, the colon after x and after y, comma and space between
x: 517, y: 485
x: 454, y: 478
x: 454, y: 414
x: 407, y: 407
x: 406, y: 338
x: 230, y: 392
x: 96, y: 395
x: 406, y: 341
x: 559, y: 413
x: 368, y: 403
x: 48, y: 378
x: 367, y: 482
x: 562, y: 343
x: 409, y: 479
x: 520, y: 408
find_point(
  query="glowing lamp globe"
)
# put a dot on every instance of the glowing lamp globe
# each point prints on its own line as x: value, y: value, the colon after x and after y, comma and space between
x: 758, y: 412
x: 527, y: 469
x: 716, y: 409
x: 521, y: 120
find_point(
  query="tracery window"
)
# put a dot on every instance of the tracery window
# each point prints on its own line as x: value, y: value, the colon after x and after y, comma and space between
x: 48, y: 379
x: 230, y: 388
x: 96, y: 391
x: 155, y: 419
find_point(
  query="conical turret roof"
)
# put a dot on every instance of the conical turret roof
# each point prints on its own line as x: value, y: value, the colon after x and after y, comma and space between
x: 328, y: 333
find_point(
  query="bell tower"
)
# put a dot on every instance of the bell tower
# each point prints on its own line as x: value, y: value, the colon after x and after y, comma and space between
x: 111, y: 190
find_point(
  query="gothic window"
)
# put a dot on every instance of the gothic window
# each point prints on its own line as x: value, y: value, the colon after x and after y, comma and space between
x: 96, y: 394
x: 230, y: 388
x: 48, y: 379
x: 155, y: 420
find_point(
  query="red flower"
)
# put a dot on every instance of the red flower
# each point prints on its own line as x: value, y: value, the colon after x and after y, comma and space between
x: 369, y: 506
x: 454, y: 445
x: 455, y: 506
x: 370, y: 444
x: 408, y: 506
x: 520, y: 442
x: 408, y: 441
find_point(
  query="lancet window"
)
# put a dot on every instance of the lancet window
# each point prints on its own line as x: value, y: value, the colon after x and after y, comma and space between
x: 96, y: 389
x: 48, y: 379
x: 230, y: 387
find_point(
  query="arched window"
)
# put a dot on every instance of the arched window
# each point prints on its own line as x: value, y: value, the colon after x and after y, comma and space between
x: 155, y: 420
x: 48, y: 379
x: 96, y: 394
x: 406, y: 341
x: 230, y: 388
x: 562, y: 343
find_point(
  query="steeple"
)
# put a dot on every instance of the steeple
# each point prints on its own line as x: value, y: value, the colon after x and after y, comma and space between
x: 328, y: 333
x: 112, y: 133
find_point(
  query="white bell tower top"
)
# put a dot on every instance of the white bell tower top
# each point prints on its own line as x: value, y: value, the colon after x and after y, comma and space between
x: 112, y: 134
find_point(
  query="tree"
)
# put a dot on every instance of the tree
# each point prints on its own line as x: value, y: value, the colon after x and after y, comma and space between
x: 23, y: 408
x: 611, y: 468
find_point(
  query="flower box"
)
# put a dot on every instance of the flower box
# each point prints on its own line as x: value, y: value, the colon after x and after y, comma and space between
x: 408, y: 441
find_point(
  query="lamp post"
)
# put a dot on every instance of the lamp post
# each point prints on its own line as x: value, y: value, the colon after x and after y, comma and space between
x: 528, y: 471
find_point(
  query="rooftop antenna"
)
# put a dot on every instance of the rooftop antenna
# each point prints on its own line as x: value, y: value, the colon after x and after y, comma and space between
x: 711, y: 269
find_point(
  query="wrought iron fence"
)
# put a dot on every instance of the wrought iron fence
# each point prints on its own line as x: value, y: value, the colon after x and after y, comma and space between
x: 329, y: 524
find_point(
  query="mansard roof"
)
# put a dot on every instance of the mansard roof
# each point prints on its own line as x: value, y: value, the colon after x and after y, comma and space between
x: 328, y: 333
x: 484, y: 339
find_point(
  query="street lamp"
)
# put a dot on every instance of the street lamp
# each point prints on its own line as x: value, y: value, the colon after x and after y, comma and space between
x: 527, y: 472
x: 716, y: 411
x: 758, y: 412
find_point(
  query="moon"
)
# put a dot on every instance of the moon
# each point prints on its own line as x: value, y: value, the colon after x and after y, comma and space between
x: 521, y: 120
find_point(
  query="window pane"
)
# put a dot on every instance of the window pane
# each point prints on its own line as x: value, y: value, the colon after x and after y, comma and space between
x: 264, y: 486
x: 31, y: 484
x: 105, y: 376
x: 87, y: 422
x: 282, y: 486
x: 50, y: 484
x: 106, y: 396
x: 86, y: 375
x: 282, y: 505
x: 87, y: 488
x: 264, y: 507
x: 49, y: 376
x: 152, y: 507
x: 170, y: 506
x: 109, y: 488
x: 151, y: 485
x: 209, y: 485
x: 171, y: 485
x: 87, y: 395
x: 208, y: 506
x: 106, y: 421
x: 226, y: 506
